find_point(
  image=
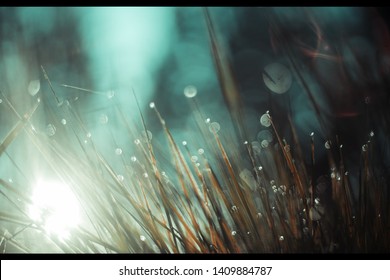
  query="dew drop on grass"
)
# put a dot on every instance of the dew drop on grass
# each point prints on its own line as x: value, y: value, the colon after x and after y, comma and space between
x: 234, y: 208
x: 200, y: 151
x: 103, y: 119
x: 63, y: 121
x: 317, y: 201
x: 33, y: 87
x: 305, y: 230
x: 152, y: 105
x: 265, y: 135
x: 281, y: 238
x: 265, y: 120
x: 194, y: 158
x: 133, y: 159
x: 260, y: 168
x: 190, y: 91
x: 89, y: 134
x: 372, y: 134
x: 197, y: 164
x: 264, y: 144
x: 118, y: 151
x: 120, y: 178
x: 277, y: 77
x: 234, y: 232
x: 327, y: 145
x: 333, y: 175
x: 184, y: 143
x: 137, y: 141
x: 207, y: 120
x: 50, y: 129
x: 259, y: 215
x: 256, y: 147
x: 364, y: 147
x: 145, y: 175
x: 214, y: 127
x: 143, y: 238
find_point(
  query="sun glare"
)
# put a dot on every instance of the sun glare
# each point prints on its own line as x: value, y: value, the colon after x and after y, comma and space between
x: 55, y: 207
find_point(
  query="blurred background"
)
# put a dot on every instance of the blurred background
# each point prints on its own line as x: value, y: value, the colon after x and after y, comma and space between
x: 335, y: 63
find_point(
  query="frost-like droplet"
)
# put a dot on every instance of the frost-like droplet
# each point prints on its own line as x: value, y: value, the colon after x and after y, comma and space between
x: 364, y: 147
x: 265, y: 120
x: 33, y: 87
x: 50, y: 129
x: 327, y: 145
x: 234, y: 232
x: 118, y: 151
x: 110, y: 94
x: 63, y: 121
x: 214, y: 127
x: 152, y: 105
x: 143, y: 238
x: 281, y: 238
x: 190, y: 91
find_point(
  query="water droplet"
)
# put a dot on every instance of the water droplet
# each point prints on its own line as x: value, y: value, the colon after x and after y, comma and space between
x: 260, y: 168
x: 133, y: 159
x: 38, y: 99
x: 197, y: 164
x: 145, y: 175
x: 264, y: 144
x: 327, y: 145
x: 190, y: 91
x: 103, y: 119
x: 305, y: 230
x: 33, y: 87
x: 120, y: 178
x: 89, y: 134
x: 265, y: 120
x: 50, y: 130
x: 207, y: 120
x: 63, y: 121
x: 317, y: 201
x: 184, y: 143
x: 256, y: 147
x: 259, y: 215
x: 248, y: 232
x: 194, y: 158
x: 85, y: 141
x: 346, y: 173
x: 364, y: 147
x: 283, y: 188
x: 245, y: 142
x: 10, y: 180
x: 304, y: 221
x: 152, y: 105
x: 312, y: 134
x: 341, y: 146
x: 110, y: 94
x: 137, y: 141
x: 372, y: 134
x: 200, y: 151
x: 118, y: 151
x: 333, y: 175
x: 234, y: 232
x: 234, y: 208
x: 265, y: 135
x: 281, y: 238
x: 143, y: 238
x: 214, y: 127
x: 277, y: 77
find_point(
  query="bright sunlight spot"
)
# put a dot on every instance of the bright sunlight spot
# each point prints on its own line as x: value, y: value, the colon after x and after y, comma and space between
x: 55, y: 207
